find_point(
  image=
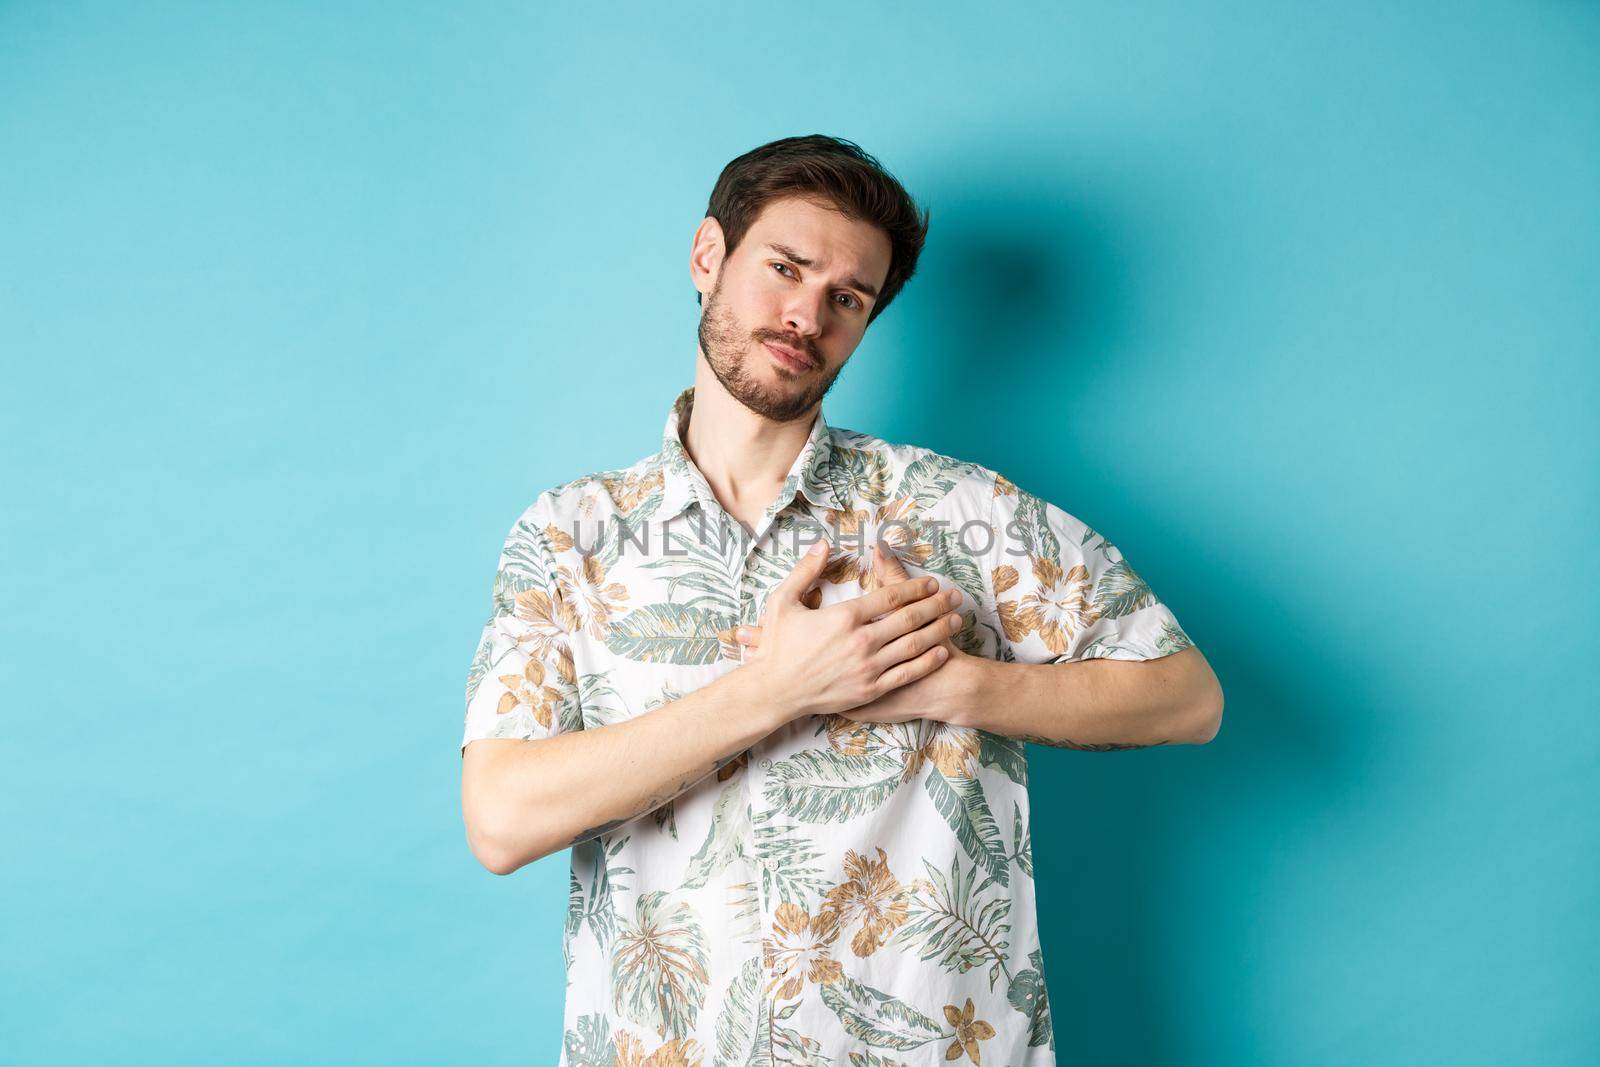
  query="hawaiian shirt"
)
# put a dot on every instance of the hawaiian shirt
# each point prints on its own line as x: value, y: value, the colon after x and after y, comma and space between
x: 840, y: 892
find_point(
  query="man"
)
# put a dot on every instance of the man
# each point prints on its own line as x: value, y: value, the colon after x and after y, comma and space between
x: 793, y: 781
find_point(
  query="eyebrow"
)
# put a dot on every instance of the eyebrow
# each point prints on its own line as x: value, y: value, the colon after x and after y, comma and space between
x: 853, y: 282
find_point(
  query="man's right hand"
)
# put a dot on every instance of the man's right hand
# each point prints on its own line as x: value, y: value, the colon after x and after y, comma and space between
x: 820, y: 661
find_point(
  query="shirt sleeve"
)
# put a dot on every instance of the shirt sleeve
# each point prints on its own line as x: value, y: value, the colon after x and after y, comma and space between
x: 522, y: 682
x: 1065, y: 593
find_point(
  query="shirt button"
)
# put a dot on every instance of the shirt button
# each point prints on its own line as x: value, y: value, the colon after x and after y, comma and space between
x: 770, y: 863
x: 764, y: 764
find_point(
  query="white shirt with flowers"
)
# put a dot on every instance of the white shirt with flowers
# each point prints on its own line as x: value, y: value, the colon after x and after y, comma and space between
x: 840, y: 892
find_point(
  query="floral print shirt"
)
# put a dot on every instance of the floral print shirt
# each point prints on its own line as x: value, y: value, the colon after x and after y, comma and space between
x: 839, y: 893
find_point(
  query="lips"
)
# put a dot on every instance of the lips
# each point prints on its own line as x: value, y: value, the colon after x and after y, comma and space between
x: 788, y: 356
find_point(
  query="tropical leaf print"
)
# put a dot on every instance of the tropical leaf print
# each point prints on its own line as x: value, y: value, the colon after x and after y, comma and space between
x: 1005, y: 754
x: 791, y: 1048
x: 965, y: 807
x: 575, y: 911
x: 1172, y: 639
x: 821, y: 785
x: 767, y: 925
x: 704, y: 560
x: 860, y: 473
x: 877, y: 1018
x: 590, y: 1044
x: 953, y: 924
x: 725, y: 839
x: 668, y: 633
x: 785, y: 859
x: 1037, y: 514
x: 527, y: 561
x: 1021, y: 840
x: 1029, y: 996
x: 1120, y: 592
x: 930, y: 478
x: 953, y: 561
x: 743, y: 1036
x: 659, y: 966
x: 598, y: 907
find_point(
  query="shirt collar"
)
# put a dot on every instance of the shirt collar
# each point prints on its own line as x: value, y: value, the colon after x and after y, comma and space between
x: 812, y: 472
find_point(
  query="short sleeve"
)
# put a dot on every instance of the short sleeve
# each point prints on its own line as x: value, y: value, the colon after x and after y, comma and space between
x: 523, y: 682
x: 1064, y: 593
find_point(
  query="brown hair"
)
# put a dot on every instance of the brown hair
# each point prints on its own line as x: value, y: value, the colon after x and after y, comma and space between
x: 828, y: 169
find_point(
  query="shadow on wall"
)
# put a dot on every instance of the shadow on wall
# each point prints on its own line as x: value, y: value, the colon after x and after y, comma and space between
x: 1028, y: 298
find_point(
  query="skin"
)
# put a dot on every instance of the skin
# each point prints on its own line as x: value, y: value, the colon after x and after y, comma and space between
x: 522, y: 800
x: 1096, y: 705
x: 525, y: 799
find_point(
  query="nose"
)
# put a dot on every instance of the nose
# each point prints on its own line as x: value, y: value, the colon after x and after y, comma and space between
x: 802, y: 314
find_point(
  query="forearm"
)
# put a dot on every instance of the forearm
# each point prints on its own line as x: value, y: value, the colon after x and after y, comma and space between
x: 1097, y: 704
x: 548, y: 794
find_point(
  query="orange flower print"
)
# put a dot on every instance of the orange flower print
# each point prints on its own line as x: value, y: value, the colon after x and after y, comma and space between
x: 797, y: 951
x: 680, y: 1052
x: 594, y: 601
x: 848, y: 736
x: 969, y: 1032
x: 630, y: 490
x: 1058, y: 606
x: 852, y: 562
x: 528, y: 688
x: 872, y: 894
x: 550, y: 622
x: 953, y: 749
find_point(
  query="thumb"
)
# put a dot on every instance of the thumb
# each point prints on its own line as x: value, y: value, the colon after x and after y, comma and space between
x: 886, y: 566
x: 807, y: 569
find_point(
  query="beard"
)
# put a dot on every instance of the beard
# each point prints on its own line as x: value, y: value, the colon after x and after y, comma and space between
x: 732, y: 353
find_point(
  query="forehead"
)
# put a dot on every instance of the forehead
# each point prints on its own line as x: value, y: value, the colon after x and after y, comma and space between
x: 838, y: 244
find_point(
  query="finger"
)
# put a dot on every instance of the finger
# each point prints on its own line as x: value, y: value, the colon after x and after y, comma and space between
x: 748, y: 635
x: 888, y: 597
x: 909, y: 671
x: 916, y: 614
x: 935, y: 633
x: 886, y: 565
x: 807, y: 569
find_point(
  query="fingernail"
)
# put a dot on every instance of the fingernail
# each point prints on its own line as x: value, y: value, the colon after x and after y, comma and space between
x: 819, y: 548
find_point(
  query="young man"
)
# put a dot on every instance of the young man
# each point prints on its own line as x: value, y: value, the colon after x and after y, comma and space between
x: 794, y: 782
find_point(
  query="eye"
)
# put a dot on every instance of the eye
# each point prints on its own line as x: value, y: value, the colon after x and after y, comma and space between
x: 785, y: 266
x: 852, y: 302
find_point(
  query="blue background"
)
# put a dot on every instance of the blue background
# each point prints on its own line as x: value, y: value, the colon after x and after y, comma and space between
x: 299, y: 308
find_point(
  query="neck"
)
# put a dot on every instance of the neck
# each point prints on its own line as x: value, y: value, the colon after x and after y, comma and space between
x: 742, y: 455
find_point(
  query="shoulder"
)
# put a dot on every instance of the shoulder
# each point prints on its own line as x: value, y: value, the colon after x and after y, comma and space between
x: 589, y: 497
x: 946, y: 487
x: 913, y: 478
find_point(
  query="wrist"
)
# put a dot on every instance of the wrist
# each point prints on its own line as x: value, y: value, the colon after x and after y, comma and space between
x: 772, y: 702
x: 972, y: 689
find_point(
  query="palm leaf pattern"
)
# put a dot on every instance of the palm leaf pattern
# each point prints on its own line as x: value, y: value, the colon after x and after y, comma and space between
x: 659, y: 966
x: 955, y: 925
x: 879, y: 1019
x: 761, y: 915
